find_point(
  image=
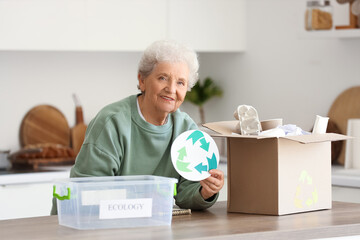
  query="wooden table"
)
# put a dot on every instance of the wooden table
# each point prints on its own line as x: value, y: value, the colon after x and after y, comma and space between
x: 214, y: 223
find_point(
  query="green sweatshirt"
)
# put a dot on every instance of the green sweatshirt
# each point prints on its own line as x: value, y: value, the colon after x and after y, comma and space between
x: 119, y: 142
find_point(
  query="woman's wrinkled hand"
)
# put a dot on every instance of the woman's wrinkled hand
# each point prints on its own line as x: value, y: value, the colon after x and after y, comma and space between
x: 212, y: 184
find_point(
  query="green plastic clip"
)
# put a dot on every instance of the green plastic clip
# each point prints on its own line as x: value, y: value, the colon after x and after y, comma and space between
x: 66, y: 197
x: 175, y: 191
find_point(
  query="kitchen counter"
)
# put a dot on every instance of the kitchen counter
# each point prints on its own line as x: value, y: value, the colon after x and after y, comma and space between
x: 43, y: 174
x: 16, y: 184
x: 345, y: 177
x: 214, y: 223
x: 340, y: 175
x: 47, y: 174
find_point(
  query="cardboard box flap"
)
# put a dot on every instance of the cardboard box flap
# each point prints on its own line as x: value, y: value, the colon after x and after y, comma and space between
x: 224, y: 127
x: 314, y: 138
x: 228, y: 129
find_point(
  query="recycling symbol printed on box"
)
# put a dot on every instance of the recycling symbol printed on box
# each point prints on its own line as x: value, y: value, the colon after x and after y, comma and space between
x: 193, y: 154
x: 306, y: 193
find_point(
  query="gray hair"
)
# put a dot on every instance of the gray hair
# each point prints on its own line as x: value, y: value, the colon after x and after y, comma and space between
x: 169, y: 51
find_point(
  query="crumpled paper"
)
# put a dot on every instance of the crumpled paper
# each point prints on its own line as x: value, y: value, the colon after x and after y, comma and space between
x: 285, y: 130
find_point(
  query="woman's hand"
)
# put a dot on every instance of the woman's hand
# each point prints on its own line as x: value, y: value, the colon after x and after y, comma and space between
x: 212, y: 184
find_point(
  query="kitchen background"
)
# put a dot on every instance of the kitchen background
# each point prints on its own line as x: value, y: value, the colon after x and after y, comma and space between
x: 282, y: 73
x: 263, y: 58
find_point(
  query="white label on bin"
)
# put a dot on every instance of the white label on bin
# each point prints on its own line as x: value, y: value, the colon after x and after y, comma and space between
x: 126, y: 208
x: 94, y: 197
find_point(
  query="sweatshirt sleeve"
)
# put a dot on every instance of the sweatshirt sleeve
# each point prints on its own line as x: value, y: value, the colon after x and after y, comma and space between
x: 188, y: 196
x: 101, y: 153
x: 102, y: 163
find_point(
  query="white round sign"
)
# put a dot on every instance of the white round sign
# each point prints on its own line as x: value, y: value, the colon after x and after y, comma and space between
x: 193, y: 154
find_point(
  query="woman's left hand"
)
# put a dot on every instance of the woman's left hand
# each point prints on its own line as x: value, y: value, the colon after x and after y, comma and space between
x: 212, y: 184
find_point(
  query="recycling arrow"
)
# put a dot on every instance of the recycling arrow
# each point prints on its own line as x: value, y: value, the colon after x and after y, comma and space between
x: 196, y: 135
x: 204, y: 144
x: 212, y: 162
x: 315, y: 195
x: 182, y: 166
x: 303, y: 176
x: 309, y: 180
x: 201, y: 168
x: 182, y: 153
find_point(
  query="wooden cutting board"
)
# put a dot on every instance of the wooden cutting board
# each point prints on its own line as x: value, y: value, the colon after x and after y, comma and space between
x: 345, y: 106
x: 44, y: 124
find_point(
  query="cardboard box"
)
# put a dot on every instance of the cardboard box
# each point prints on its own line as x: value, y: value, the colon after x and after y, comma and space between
x: 277, y: 176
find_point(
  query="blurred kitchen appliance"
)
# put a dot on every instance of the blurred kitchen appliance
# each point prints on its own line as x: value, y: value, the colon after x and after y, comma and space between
x: 4, y: 162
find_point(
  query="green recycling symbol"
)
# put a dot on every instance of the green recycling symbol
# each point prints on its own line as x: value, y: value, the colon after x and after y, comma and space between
x: 193, y: 154
x: 306, y: 193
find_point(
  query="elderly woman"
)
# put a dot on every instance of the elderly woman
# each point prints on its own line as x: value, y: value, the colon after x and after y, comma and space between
x: 134, y: 136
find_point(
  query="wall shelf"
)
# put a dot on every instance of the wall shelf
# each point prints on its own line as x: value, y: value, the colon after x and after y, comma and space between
x: 340, y: 34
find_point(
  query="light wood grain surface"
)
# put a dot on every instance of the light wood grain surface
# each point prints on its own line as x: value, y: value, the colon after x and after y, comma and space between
x: 44, y: 124
x: 214, y: 223
x: 345, y: 106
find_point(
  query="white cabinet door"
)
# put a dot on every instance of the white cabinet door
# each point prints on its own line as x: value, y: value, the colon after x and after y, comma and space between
x: 346, y: 194
x: 127, y: 25
x: 208, y: 25
x: 25, y: 200
x: 41, y: 24
x: 124, y: 25
x: 121, y: 25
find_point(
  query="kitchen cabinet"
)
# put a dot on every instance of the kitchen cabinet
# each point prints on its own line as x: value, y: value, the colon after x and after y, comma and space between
x: 25, y: 200
x: 41, y: 25
x: 117, y: 25
x: 209, y: 25
x: 346, y: 194
x: 124, y: 25
x: 346, y: 184
x: 121, y: 25
x: 28, y: 194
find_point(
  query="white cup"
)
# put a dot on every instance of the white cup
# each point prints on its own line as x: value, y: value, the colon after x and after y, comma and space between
x: 320, y: 125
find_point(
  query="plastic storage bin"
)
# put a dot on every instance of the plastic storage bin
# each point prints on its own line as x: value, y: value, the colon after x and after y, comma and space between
x: 114, y: 202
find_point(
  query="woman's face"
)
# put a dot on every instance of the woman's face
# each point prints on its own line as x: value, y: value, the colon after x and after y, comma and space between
x: 165, y: 88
